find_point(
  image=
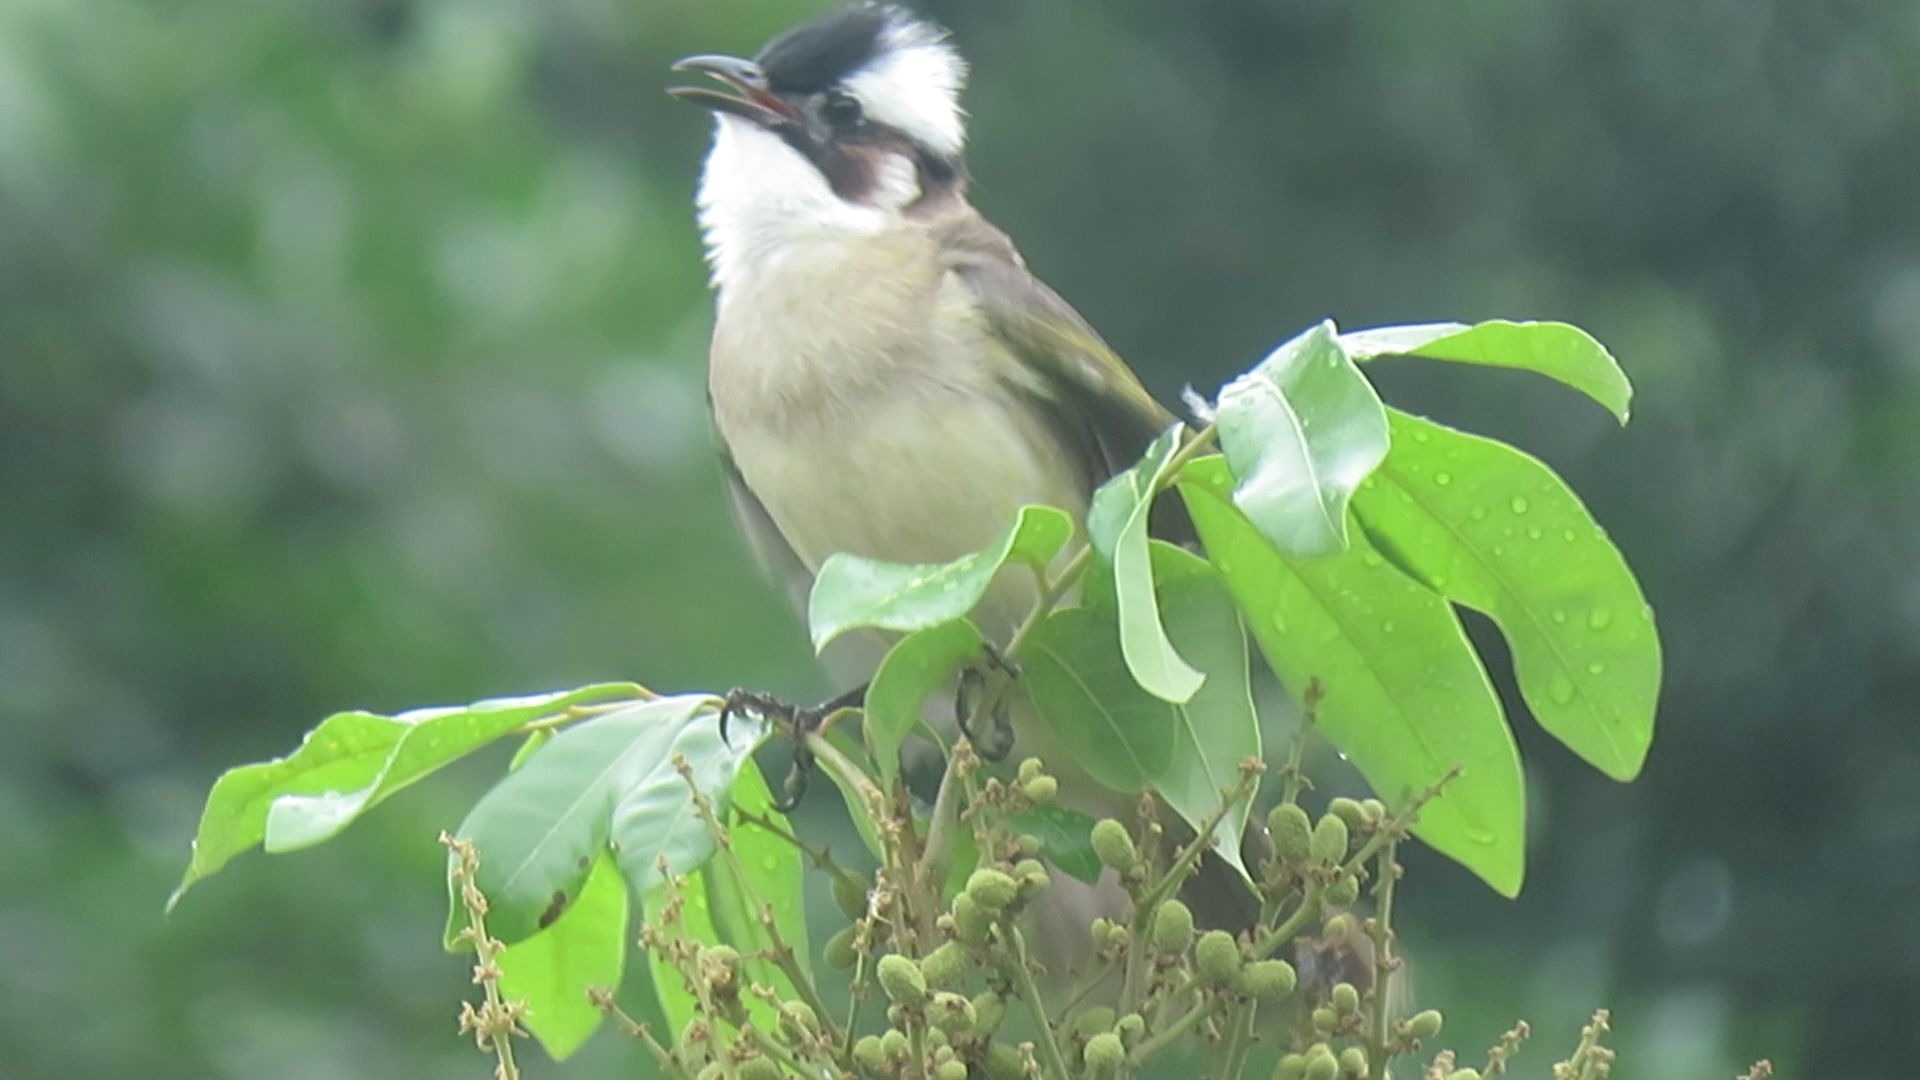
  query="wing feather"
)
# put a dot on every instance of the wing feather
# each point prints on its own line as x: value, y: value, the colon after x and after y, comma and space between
x: 1084, y: 391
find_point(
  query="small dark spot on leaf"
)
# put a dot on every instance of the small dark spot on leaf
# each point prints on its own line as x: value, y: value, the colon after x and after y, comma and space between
x: 554, y: 907
x: 585, y: 863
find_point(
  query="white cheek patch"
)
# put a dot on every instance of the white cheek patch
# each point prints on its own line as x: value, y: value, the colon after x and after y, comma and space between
x: 915, y: 88
x: 758, y: 196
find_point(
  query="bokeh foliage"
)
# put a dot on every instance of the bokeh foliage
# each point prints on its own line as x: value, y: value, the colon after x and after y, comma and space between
x: 351, y: 357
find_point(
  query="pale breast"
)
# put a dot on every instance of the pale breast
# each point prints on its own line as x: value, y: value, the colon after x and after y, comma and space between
x: 864, y: 411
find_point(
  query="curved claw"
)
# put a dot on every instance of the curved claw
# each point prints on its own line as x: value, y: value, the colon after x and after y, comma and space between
x: 794, y: 787
x: 1002, y: 743
x: 798, y: 724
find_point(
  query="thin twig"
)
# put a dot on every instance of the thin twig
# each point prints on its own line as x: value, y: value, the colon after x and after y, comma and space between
x: 1170, y: 1034
x: 602, y: 999
x: 932, y: 867
x: 1022, y: 978
x: 782, y: 952
x: 497, y: 1021
x: 1383, y: 960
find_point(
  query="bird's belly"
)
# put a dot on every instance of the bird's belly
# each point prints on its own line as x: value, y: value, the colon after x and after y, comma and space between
x: 913, y: 481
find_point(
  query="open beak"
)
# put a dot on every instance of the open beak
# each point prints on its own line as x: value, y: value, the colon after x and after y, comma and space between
x: 750, y: 98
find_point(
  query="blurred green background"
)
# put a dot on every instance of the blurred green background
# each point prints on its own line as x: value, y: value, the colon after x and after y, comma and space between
x: 351, y: 355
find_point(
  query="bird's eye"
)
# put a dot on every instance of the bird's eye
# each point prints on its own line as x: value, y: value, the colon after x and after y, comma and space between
x: 841, y: 109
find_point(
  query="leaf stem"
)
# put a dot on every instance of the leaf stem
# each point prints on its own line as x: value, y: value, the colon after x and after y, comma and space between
x: 782, y: 952
x: 1200, y: 443
x: 931, y: 869
x: 497, y: 1021
x: 602, y: 999
x: 1383, y: 958
x: 1160, y: 1040
x: 1022, y: 978
x: 820, y: 857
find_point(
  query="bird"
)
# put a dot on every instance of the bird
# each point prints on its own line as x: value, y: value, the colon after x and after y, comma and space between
x: 887, y: 378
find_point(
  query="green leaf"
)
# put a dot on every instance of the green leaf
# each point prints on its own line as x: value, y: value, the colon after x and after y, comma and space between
x: 1554, y: 349
x: 773, y: 876
x: 346, y: 766
x: 719, y: 908
x: 1117, y: 525
x: 963, y: 858
x: 655, y: 830
x: 919, y: 665
x: 1300, y: 432
x: 1405, y: 697
x: 1075, y: 676
x: 1066, y: 838
x: 849, y: 789
x: 692, y: 922
x: 1494, y: 529
x: 553, y: 970
x: 851, y: 591
x: 1218, y: 729
x: 610, y: 778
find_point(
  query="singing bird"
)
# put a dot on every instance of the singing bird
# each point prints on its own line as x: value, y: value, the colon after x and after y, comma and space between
x: 887, y: 378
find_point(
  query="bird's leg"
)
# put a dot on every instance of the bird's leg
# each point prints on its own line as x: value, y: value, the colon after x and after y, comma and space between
x: 798, y: 723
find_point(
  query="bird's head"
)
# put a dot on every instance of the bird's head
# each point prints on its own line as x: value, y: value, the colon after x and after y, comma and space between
x: 842, y: 124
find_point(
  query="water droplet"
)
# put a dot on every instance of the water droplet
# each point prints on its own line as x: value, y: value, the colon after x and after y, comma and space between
x: 770, y: 864
x: 1560, y: 689
x: 1422, y: 436
x: 1559, y: 615
x: 1596, y: 667
x: 1443, y: 478
x: 1599, y: 619
x: 1533, y: 533
x: 1369, y: 483
x: 1519, y: 504
x: 1387, y: 627
x: 1568, y: 535
x: 1478, y: 513
x: 1498, y: 551
x: 1371, y: 559
x: 1279, y: 624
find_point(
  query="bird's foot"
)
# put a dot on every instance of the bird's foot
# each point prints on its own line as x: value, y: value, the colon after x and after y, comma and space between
x: 797, y: 722
x: 996, y: 744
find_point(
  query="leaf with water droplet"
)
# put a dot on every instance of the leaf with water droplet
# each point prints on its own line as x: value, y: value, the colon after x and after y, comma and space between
x: 584, y: 947
x: 916, y: 668
x: 1556, y: 350
x: 771, y: 871
x: 1294, y: 483
x: 1407, y: 703
x: 852, y: 591
x: 349, y: 764
x: 1605, y: 716
x: 1117, y: 526
x: 607, y: 781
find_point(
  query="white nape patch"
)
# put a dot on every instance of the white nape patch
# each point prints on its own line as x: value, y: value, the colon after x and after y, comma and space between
x: 759, y: 197
x: 914, y: 85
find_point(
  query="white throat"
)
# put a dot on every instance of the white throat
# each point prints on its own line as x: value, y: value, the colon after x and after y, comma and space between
x: 760, y: 201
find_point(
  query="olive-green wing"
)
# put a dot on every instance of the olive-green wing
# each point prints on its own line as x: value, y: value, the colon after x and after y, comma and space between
x: 1080, y: 386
